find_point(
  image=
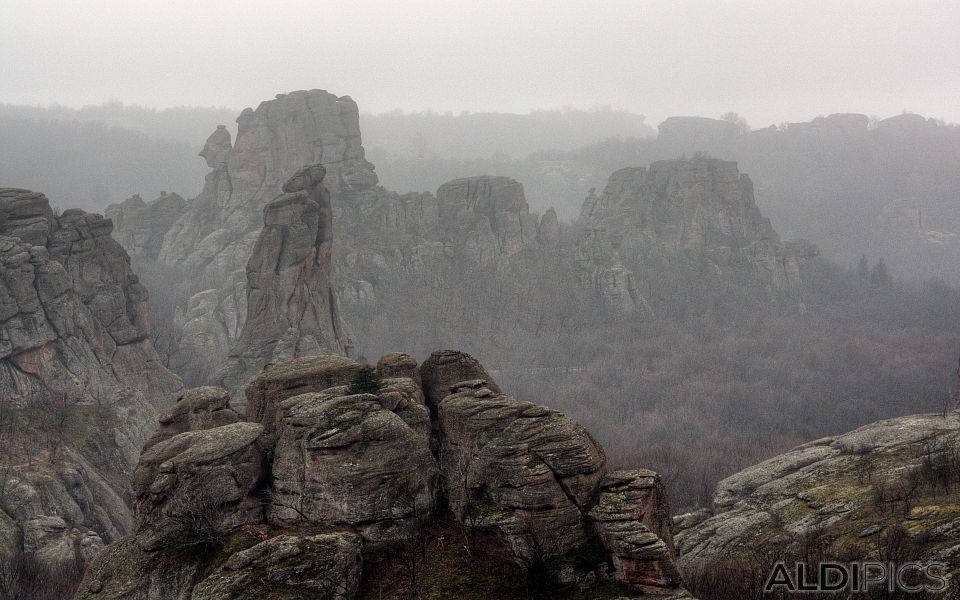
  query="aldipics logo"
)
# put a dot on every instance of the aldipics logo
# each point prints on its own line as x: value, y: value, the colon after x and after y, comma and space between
x: 909, y: 577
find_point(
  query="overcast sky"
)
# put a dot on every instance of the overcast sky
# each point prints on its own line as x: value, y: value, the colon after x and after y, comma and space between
x: 770, y: 61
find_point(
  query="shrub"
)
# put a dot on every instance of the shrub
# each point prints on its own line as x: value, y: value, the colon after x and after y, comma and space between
x: 366, y: 381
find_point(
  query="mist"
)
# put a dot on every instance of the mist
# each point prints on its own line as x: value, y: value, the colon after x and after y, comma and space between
x: 501, y: 300
x: 770, y: 61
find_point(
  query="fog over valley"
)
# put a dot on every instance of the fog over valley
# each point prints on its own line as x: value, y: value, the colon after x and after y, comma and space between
x: 484, y: 300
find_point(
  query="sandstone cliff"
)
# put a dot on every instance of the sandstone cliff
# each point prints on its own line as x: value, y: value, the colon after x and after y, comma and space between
x: 328, y: 490
x: 80, y: 383
x: 680, y: 218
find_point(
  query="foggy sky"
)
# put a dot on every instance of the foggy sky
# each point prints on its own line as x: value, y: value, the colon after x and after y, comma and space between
x: 770, y: 61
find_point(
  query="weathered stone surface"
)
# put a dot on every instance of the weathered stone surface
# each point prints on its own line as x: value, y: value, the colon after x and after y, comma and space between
x: 288, y: 378
x: 346, y: 460
x: 74, y: 349
x: 291, y: 307
x: 124, y: 571
x: 671, y: 218
x: 209, y: 326
x: 487, y: 216
x: 220, y: 227
x: 139, y: 226
x: 829, y: 484
x: 632, y: 517
x: 447, y: 367
x: 198, y: 408
x: 534, y: 470
x: 326, y: 566
x: 398, y: 364
x: 198, y: 484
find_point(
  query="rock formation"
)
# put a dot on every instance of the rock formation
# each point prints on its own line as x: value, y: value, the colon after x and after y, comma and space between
x: 385, y: 237
x: 140, y: 226
x: 851, y: 485
x: 322, y: 478
x: 487, y: 217
x: 217, y: 233
x: 79, y: 376
x: 693, y: 216
x: 291, y: 306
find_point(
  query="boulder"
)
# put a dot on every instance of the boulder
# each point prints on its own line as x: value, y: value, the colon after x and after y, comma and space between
x: 533, y: 471
x: 282, y: 380
x: 196, y: 486
x: 345, y: 460
x: 398, y: 364
x: 326, y: 565
x: 632, y: 517
x: 125, y: 571
x: 197, y: 408
x: 447, y: 367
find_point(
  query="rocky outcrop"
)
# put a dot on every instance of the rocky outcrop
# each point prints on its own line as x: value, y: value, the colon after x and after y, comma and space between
x: 198, y: 408
x: 632, y: 517
x: 198, y: 485
x: 323, y: 477
x: 291, y: 307
x: 695, y: 216
x: 220, y: 227
x: 861, y: 487
x: 140, y: 226
x: 77, y: 372
x: 485, y: 218
x: 325, y: 565
x: 334, y: 452
x: 286, y: 379
x: 533, y: 471
x: 387, y: 237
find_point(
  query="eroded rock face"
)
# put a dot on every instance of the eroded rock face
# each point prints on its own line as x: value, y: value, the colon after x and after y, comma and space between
x: 198, y: 408
x: 197, y: 485
x: 334, y: 455
x: 75, y: 354
x: 674, y: 216
x: 447, y: 367
x: 140, y: 226
x: 487, y: 216
x: 295, y: 566
x: 533, y: 469
x: 830, y: 485
x: 291, y: 307
x: 290, y: 566
x: 289, y: 378
x: 220, y: 227
x: 632, y: 517
x: 291, y: 501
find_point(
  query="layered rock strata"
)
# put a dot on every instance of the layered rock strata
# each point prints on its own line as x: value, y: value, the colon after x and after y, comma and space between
x: 693, y: 216
x: 79, y: 376
x: 322, y: 475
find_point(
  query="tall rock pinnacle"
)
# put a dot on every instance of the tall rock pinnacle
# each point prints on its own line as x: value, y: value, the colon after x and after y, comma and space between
x: 291, y: 307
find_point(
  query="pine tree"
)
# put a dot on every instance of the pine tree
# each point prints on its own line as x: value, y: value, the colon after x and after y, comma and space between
x: 365, y: 381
